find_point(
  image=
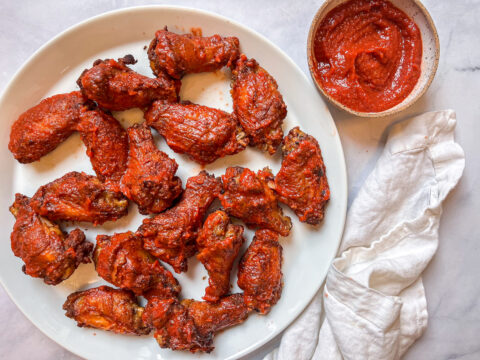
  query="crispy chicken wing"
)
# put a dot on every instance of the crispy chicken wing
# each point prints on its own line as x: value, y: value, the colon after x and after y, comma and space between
x: 174, y: 327
x: 107, y: 145
x: 191, y: 325
x: 150, y: 179
x: 210, y: 318
x: 258, y: 104
x: 114, y: 86
x: 249, y: 197
x: 121, y: 260
x: 42, y: 128
x: 106, y: 308
x: 79, y: 197
x: 182, y: 54
x: 47, y: 251
x: 301, y: 182
x: 260, y: 271
x: 203, y: 133
x: 218, y: 244
x: 171, y: 235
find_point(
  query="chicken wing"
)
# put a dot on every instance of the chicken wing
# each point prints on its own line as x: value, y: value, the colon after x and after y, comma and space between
x: 79, y: 197
x: 114, y: 86
x: 150, y: 179
x: 158, y: 311
x: 182, y: 54
x: 42, y: 128
x: 47, y: 251
x: 249, y: 197
x: 301, y: 182
x: 171, y: 235
x: 210, y: 318
x: 191, y: 325
x: 106, y: 308
x: 218, y: 244
x: 258, y: 104
x: 121, y: 260
x: 174, y: 328
x: 260, y: 272
x: 205, y: 134
x: 107, y: 145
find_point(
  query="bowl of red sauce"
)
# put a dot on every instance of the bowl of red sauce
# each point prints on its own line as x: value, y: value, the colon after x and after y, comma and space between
x: 373, y: 58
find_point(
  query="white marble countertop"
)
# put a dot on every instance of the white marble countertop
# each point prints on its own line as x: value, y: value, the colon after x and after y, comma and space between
x: 451, y: 280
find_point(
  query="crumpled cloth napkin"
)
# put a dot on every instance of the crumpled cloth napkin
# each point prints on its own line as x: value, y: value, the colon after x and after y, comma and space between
x: 373, y: 304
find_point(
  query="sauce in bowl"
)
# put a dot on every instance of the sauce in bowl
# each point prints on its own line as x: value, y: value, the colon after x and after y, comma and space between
x: 367, y: 55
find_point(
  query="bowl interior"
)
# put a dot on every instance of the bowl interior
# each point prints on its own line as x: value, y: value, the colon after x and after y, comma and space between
x: 430, y: 54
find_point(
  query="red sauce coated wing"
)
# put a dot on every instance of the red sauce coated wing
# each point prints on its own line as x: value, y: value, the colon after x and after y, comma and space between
x: 42, y: 128
x: 258, y: 104
x: 114, y: 86
x: 107, y: 144
x: 210, y: 318
x: 260, y: 272
x: 171, y: 235
x: 301, y: 182
x: 121, y: 260
x: 182, y: 54
x: 218, y: 244
x: 150, y: 179
x: 249, y: 197
x: 205, y: 134
x: 175, y: 329
x: 79, y: 197
x: 108, y: 309
x: 191, y: 325
x: 47, y: 251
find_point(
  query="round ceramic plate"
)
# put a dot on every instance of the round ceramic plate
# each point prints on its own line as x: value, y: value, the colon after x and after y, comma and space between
x: 54, y: 69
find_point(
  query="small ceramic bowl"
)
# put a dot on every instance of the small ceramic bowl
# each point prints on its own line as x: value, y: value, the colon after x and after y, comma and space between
x: 430, y: 56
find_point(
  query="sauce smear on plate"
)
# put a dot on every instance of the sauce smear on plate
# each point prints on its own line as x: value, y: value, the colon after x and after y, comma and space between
x: 368, y: 55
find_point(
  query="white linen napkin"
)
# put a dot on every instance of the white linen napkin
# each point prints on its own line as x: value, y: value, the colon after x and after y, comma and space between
x: 374, y: 304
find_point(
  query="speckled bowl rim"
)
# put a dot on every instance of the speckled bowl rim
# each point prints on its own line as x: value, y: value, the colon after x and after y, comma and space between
x: 319, y: 15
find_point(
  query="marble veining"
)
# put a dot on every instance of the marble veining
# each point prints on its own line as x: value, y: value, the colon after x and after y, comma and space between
x: 451, y: 280
x: 468, y: 68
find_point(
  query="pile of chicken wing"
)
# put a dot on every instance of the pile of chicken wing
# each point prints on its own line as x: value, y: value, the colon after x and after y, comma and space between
x: 129, y: 166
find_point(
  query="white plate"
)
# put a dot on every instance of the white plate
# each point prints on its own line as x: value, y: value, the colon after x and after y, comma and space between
x: 53, y: 69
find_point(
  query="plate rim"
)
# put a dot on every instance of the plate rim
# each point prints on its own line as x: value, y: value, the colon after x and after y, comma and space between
x: 342, y: 165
